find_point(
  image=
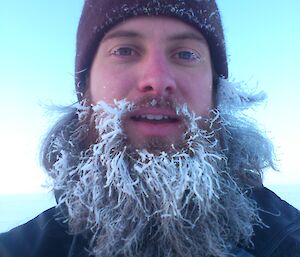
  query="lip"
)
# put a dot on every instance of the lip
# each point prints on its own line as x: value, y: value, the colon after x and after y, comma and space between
x: 148, y: 128
x: 155, y: 111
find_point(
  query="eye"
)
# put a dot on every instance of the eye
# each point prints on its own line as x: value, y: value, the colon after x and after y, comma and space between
x: 187, y: 55
x: 124, y: 51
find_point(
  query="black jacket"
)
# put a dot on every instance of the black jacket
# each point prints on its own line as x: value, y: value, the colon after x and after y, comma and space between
x: 45, y: 237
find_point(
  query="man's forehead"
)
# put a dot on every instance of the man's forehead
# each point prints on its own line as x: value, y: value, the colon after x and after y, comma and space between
x: 147, y: 27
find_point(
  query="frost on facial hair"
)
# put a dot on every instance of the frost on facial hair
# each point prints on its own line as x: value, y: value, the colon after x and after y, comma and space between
x: 172, y: 175
x: 114, y: 193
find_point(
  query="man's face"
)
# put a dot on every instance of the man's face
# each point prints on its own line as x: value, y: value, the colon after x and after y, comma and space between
x: 153, y: 58
x: 177, y: 203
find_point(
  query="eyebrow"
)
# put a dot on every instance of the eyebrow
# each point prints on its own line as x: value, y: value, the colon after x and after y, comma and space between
x: 187, y: 35
x: 133, y: 34
x: 122, y: 34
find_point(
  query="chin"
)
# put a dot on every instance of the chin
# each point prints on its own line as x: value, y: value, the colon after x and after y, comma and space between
x: 156, y: 144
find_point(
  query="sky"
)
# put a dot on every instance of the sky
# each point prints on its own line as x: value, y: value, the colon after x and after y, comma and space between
x: 37, y: 49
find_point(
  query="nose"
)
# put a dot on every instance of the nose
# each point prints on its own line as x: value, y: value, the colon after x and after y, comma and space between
x: 156, y: 76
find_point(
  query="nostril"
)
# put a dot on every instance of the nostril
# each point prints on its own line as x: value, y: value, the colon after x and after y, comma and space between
x: 147, y: 88
x: 169, y: 89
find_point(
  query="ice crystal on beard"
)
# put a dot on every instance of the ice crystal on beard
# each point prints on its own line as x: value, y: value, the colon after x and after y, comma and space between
x: 159, y: 173
x: 191, y: 116
x: 115, y: 201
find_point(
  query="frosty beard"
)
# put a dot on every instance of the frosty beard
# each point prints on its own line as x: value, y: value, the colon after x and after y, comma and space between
x: 180, y: 202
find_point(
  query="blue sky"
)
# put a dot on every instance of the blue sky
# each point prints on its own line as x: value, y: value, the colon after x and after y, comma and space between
x: 37, y: 49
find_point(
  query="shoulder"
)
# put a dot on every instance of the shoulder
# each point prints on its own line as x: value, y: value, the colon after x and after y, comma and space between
x: 41, y: 236
x: 280, y: 235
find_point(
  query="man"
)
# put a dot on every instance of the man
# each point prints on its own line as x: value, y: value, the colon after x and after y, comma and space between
x: 157, y: 158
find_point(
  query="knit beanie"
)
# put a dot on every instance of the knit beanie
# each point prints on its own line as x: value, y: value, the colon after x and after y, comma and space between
x: 99, y: 16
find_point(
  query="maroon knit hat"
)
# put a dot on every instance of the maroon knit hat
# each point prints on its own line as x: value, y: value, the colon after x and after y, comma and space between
x: 99, y: 16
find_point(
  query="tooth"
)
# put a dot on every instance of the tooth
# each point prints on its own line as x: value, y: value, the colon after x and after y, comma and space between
x: 158, y: 117
x: 153, y: 117
x: 150, y: 117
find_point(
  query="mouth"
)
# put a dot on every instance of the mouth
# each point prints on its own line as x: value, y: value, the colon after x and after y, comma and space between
x: 155, y: 118
x: 153, y: 122
x: 148, y: 124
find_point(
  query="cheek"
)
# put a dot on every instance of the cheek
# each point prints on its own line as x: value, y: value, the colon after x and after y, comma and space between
x: 108, y: 85
x: 204, y: 102
x: 198, y: 93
